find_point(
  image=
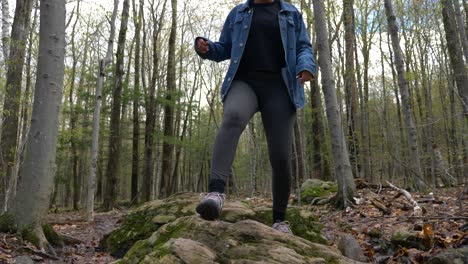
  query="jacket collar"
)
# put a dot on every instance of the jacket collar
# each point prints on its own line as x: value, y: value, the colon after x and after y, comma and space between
x: 284, y: 6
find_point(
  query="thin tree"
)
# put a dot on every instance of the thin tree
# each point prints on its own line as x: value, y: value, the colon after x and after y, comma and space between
x: 350, y: 81
x: 11, y: 105
x: 112, y: 172
x: 5, y: 29
x: 412, y: 136
x: 97, y: 111
x: 137, y: 20
x: 343, y: 170
x: 31, y: 203
x: 168, y: 147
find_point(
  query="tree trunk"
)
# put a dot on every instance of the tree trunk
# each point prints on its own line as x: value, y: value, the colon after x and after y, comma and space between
x: 150, y: 122
x: 343, y: 170
x: 350, y: 83
x: 11, y: 105
x: 405, y: 99
x: 113, y: 164
x: 97, y: 111
x: 455, y: 53
x: 5, y: 29
x: 166, y: 170
x: 461, y: 29
x: 136, y: 103
x: 31, y: 204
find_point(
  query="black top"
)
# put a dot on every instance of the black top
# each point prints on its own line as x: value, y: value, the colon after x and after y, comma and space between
x: 264, y: 49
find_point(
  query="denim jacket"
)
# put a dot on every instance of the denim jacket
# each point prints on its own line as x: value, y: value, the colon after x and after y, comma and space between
x: 298, y: 49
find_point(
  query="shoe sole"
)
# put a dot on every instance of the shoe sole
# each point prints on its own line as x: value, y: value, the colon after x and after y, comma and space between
x: 208, y: 210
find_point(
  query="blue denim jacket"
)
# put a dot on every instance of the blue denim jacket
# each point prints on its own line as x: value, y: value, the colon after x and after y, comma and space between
x: 298, y: 49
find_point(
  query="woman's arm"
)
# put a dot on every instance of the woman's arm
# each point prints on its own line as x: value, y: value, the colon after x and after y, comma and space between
x: 304, y: 51
x: 220, y: 50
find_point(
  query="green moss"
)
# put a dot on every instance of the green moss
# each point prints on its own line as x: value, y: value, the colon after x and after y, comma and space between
x: 53, y: 237
x: 155, y: 245
x: 138, y: 224
x: 27, y: 233
x: 7, y: 223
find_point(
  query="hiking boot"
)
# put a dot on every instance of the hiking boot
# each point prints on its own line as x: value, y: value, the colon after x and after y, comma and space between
x: 211, y: 205
x: 282, y: 226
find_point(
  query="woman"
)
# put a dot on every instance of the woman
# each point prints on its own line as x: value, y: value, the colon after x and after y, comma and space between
x: 271, y: 58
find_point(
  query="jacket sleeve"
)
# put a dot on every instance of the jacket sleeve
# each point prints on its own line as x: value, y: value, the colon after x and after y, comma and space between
x: 220, y: 50
x: 304, y: 51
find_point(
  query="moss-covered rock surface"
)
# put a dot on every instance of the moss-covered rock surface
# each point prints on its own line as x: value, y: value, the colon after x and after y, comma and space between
x: 166, y: 231
x: 191, y: 239
x: 313, y: 188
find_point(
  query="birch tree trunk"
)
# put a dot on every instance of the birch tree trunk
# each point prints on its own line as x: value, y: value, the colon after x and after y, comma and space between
x: 343, y: 170
x: 166, y: 170
x: 31, y: 204
x: 5, y: 29
x: 96, y: 115
x: 113, y: 164
x: 405, y: 98
x: 11, y: 105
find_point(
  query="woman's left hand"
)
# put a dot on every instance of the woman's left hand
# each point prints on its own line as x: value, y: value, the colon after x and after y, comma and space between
x: 304, y: 76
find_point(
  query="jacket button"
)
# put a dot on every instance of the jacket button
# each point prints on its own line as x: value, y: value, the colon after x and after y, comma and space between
x: 241, y: 44
x: 229, y: 79
x: 245, y: 26
x: 235, y: 61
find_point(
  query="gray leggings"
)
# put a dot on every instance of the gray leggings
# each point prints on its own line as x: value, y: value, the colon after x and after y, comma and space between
x: 267, y: 93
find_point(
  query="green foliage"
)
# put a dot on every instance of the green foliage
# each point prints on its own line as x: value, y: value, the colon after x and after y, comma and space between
x: 7, y: 223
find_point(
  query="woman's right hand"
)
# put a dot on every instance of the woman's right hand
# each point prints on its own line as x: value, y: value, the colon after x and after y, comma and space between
x: 202, y: 45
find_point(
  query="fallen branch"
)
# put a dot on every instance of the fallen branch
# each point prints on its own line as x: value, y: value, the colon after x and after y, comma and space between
x: 38, y: 252
x: 375, y: 201
x: 416, y: 208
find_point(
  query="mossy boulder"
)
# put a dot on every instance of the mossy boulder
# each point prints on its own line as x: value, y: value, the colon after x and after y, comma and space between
x: 191, y: 239
x: 140, y: 223
x: 313, y: 188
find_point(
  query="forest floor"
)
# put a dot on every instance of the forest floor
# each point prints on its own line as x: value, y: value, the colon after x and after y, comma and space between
x: 443, y: 225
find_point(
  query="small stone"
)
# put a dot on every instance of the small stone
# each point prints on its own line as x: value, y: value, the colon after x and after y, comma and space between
x: 23, y: 260
x: 350, y: 248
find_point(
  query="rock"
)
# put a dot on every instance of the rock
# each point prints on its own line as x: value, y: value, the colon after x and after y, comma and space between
x: 350, y: 248
x: 236, y: 211
x: 143, y: 221
x: 407, y: 239
x: 23, y: 260
x: 313, y: 188
x: 451, y: 256
x: 163, y: 219
x: 191, y: 239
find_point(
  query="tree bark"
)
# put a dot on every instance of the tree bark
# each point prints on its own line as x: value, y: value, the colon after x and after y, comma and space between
x: 31, y: 204
x: 343, y: 170
x: 113, y: 164
x: 461, y: 29
x: 405, y: 99
x: 5, y: 29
